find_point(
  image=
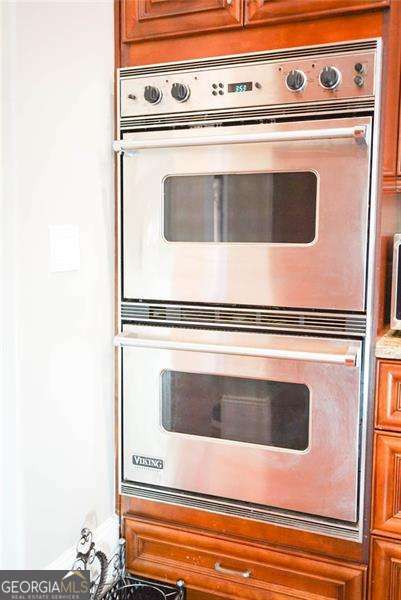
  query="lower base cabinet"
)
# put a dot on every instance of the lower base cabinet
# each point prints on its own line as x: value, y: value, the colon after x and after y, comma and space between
x: 387, y: 485
x: 222, y: 567
x: 385, y: 572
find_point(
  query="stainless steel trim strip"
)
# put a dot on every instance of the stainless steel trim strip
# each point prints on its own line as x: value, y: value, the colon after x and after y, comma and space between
x: 224, y: 309
x: 248, y: 114
x: 358, y: 133
x: 250, y: 58
x: 246, y: 320
x: 239, y: 318
x: 349, y: 359
x: 226, y: 507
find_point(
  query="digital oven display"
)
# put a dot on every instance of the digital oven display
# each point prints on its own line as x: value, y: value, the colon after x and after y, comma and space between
x: 245, y: 86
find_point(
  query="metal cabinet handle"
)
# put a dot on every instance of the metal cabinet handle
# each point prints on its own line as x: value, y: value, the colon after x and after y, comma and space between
x: 225, y: 571
x: 349, y: 359
x: 358, y: 133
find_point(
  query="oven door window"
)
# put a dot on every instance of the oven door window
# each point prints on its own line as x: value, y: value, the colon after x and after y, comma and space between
x: 270, y: 208
x: 268, y: 413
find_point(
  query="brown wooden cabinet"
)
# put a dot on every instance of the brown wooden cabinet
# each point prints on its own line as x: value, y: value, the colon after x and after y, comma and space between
x: 153, y: 19
x: 387, y: 485
x: 168, y: 30
x: 385, y: 570
x: 258, y: 12
x: 388, y: 402
x: 385, y: 562
x: 146, y: 20
x: 399, y: 128
x: 228, y: 568
x: 391, y: 95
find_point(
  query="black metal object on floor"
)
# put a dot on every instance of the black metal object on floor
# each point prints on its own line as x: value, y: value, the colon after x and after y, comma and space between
x: 110, y: 581
x: 131, y: 587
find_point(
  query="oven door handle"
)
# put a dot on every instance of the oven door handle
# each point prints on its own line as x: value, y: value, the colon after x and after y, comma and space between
x: 350, y: 358
x: 359, y: 133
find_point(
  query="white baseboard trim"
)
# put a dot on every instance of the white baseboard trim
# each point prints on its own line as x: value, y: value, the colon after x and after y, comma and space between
x: 106, y: 538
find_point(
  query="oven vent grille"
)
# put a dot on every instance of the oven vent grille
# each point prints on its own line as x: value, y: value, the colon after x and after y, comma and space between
x: 252, y: 58
x: 252, y: 114
x: 224, y: 317
x: 239, y: 509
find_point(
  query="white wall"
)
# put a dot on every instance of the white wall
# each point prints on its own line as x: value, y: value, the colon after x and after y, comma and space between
x: 56, y: 442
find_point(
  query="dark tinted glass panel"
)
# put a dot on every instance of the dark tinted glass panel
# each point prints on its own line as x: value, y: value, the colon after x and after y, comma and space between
x: 271, y: 413
x: 273, y: 208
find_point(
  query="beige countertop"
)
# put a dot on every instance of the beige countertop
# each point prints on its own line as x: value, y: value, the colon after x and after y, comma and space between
x: 389, y: 345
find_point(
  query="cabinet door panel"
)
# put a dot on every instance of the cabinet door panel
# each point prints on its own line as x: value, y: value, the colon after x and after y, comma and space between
x: 391, y: 90
x: 228, y: 568
x: 385, y: 571
x: 388, y: 412
x: 399, y: 140
x: 152, y: 19
x: 387, y: 485
x: 265, y: 11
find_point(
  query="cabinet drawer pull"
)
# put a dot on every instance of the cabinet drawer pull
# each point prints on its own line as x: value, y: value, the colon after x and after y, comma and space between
x: 220, y: 569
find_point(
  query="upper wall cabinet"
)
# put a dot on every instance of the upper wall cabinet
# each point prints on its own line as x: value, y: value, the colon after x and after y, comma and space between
x: 391, y: 101
x: 258, y: 12
x: 152, y: 19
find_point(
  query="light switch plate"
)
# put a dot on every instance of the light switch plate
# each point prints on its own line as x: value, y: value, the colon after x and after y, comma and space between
x: 64, y: 248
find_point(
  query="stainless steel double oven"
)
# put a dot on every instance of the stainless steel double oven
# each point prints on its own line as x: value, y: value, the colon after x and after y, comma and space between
x: 247, y: 230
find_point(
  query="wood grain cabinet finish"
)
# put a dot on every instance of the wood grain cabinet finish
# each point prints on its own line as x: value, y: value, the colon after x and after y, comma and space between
x: 387, y: 485
x: 388, y: 407
x: 399, y: 135
x: 248, y: 530
x: 150, y: 41
x: 258, y: 12
x: 391, y: 93
x: 153, y: 19
x: 385, y: 570
x: 227, y: 568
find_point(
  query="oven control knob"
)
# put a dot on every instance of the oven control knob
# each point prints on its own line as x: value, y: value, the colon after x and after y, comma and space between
x: 330, y: 78
x: 296, y: 80
x: 152, y: 94
x: 180, y: 92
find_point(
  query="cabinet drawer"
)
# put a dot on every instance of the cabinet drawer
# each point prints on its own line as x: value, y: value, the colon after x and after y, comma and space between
x: 385, y: 571
x: 230, y: 569
x: 387, y: 484
x: 388, y: 409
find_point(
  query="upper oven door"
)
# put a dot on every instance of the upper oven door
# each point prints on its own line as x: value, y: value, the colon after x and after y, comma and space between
x: 267, y: 419
x: 270, y: 215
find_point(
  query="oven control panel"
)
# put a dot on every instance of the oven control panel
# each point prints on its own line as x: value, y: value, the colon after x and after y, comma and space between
x: 275, y: 82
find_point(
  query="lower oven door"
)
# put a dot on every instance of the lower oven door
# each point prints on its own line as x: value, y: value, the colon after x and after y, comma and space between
x: 266, y: 419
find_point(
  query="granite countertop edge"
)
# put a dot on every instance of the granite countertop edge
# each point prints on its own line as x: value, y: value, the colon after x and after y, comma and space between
x: 389, y: 345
